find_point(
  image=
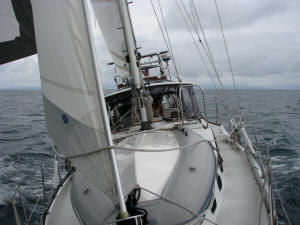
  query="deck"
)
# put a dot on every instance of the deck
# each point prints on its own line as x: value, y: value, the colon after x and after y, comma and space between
x: 239, y: 183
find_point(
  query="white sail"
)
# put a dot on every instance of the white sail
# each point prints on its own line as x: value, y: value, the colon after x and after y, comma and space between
x: 108, y: 17
x: 8, y: 22
x: 73, y: 115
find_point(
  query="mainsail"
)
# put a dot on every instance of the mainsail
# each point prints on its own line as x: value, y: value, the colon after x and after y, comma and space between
x: 17, y: 38
x: 109, y: 19
x: 74, y: 117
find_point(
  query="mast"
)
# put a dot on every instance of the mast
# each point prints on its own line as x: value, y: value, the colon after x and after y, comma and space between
x: 123, y: 209
x: 133, y: 62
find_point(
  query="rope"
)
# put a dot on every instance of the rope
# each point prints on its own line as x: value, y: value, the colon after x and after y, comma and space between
x: 180, y: 206
x: 138, y: 149
x: 131, y: 205
x: 228, y: 58
x: 147, y: 101
x: 152, y: 150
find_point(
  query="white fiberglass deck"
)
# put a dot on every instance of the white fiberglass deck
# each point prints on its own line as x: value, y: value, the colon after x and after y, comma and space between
x: 153, y: 168
x: 240, y: 198
x: 237, y: 203
x: 61, y: 211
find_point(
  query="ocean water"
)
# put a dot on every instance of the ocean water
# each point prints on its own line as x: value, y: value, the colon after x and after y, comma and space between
x: 24, y: 145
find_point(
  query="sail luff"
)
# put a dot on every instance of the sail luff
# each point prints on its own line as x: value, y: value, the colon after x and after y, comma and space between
x: 115, y: 168
x: 74, y: 114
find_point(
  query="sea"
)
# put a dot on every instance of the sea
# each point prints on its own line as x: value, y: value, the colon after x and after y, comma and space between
x: 25, y: 145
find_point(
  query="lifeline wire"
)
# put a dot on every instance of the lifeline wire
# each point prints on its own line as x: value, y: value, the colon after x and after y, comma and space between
x: 160, y: 150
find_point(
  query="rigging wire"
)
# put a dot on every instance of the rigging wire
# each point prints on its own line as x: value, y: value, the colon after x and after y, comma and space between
x: 227, y: 53
x: 168, y: 44
x: 199, y: 51
x: 201, y: 55
x: 166, y: 30
x: 206, y: 49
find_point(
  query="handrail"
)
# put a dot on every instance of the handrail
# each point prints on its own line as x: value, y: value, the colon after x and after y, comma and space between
x: 217, y: 112
x: 204, y: 102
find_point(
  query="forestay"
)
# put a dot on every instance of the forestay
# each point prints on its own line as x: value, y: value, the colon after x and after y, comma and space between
x: 109, y: 19
x: 74, y: 118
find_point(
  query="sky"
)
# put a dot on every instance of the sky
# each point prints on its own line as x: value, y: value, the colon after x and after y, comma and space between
x: 262, y: 36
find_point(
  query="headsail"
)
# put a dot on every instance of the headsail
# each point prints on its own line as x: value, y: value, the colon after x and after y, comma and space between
x: 74, y: 118
x: 109, y: 19
x: 17, y: 38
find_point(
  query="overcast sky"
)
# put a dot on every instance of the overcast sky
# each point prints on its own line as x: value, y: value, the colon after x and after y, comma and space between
x: 262, y: 36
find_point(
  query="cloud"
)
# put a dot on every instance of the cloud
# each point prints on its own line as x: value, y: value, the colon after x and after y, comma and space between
x: 23, y: 73
x: 235, y: 14
x: 263, y: 39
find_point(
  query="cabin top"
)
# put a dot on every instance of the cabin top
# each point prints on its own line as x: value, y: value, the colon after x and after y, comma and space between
x: 168, y: 101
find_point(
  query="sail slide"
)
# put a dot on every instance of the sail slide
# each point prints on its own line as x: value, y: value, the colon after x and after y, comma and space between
x: 109, y: 19
x: 73, y: 115
x: 17, y: 39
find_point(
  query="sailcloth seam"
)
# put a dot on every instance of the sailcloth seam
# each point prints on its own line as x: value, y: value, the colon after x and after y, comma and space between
x: 63, y: 86
x: 120, y: 57
x: 122, y: 68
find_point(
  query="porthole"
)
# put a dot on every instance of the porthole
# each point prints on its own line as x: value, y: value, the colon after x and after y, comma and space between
x: 219, y: 182
x: 214, y: 206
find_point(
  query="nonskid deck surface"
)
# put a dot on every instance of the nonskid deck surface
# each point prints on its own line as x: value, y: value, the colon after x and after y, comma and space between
x: 241, y: 198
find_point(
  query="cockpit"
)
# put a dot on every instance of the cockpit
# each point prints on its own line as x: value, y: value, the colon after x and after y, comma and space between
x: 167, y: 101
x: 164, y: 100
